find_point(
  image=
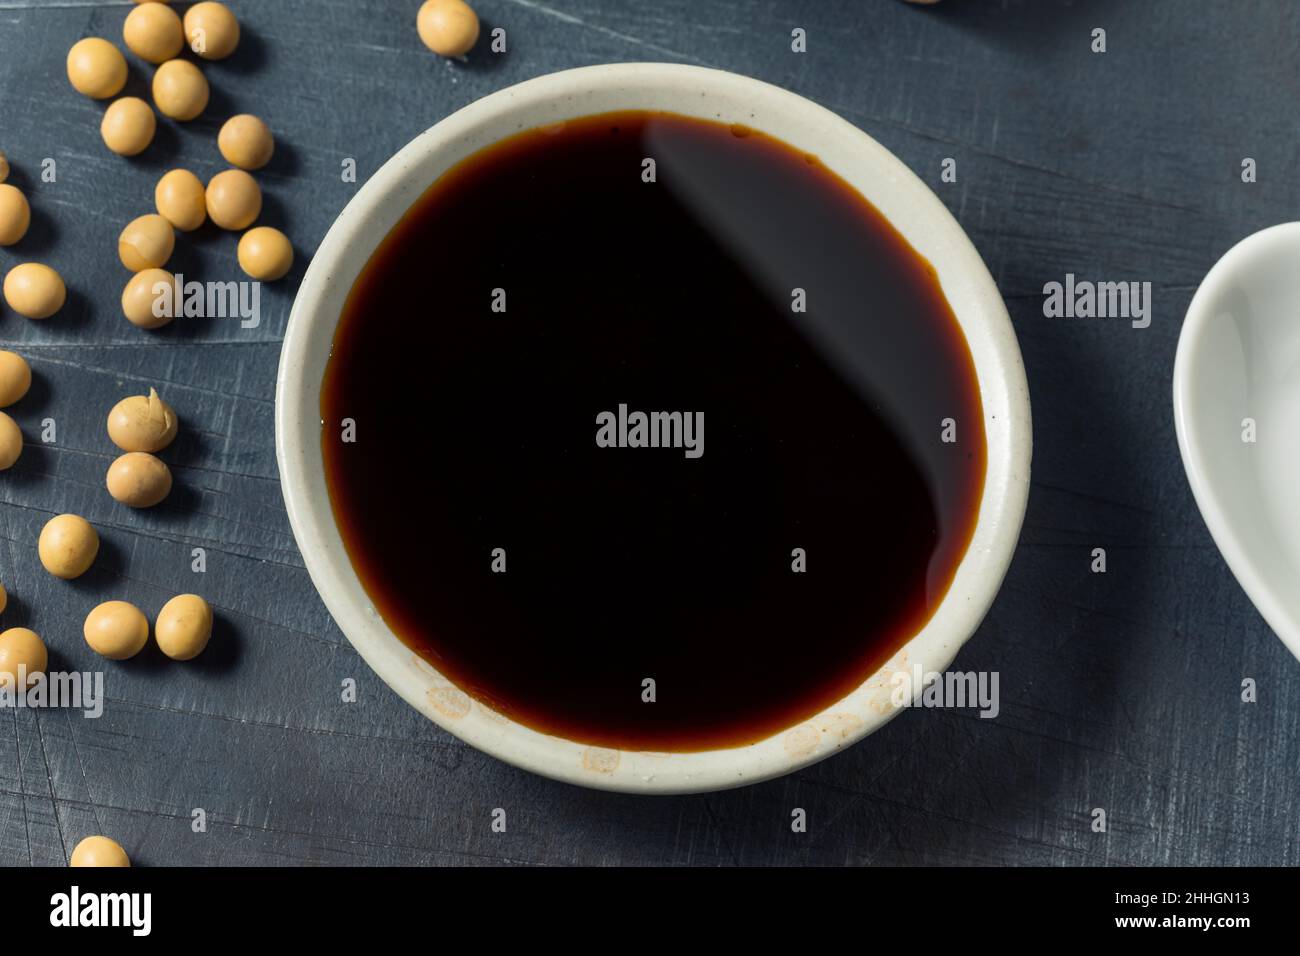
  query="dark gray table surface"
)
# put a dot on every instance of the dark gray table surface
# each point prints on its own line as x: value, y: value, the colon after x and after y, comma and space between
x: 1120, y: 691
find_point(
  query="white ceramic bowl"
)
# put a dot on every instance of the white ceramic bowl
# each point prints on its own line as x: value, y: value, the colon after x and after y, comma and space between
x: 1238, y: 359
x: 712, y: 94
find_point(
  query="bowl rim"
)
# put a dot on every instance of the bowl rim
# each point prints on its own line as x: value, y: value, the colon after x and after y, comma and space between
x: 911, y: 207
x: 1200, y: 313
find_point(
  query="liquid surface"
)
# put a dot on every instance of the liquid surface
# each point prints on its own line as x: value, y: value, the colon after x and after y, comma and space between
x: 477, y: 429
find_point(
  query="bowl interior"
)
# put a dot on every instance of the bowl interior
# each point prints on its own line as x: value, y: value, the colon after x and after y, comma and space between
x: 1237, y: 404
x: 708, y: 94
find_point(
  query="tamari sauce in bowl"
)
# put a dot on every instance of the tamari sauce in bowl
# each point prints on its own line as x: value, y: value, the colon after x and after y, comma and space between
x: 651, y: 445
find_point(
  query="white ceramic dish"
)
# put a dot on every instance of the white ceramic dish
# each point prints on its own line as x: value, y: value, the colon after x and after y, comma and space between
x: 865, y: 164
x: 1238, y: 359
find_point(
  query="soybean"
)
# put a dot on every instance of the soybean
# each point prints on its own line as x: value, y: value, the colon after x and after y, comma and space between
x: 180, y: 200
x: 152, y: 32
x: 116, y: 630
x: 234, y: 199
x: 142, y: 423
x: 15, y: 378
x: 144, y: 303
x: 128, y: 126
x: 99, y: 850
x: 34, y: 290
x: 22, y: 654
x: 67, y: 546
x: 96, y: 68
x: 447, y: 27
x: 147, y: 242
x: 245, y: 141
x: 265, y: 253
x: 212, y: 30
x: 15, y: 214
x: 138, y: 479
x: 180, y: 90
x: 11, y: 442
x: 184, y: 627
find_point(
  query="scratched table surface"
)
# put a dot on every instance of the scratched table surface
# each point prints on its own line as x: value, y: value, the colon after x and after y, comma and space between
x: 1120, y: 691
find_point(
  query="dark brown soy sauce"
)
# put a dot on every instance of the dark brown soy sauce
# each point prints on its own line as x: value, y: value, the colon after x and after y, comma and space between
x: 476, y: 430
